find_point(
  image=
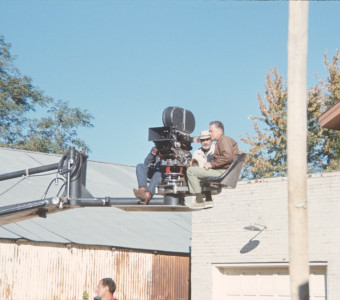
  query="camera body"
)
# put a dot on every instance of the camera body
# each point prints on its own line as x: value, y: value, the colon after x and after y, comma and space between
x: 173, y: 145
x: 173, y: 142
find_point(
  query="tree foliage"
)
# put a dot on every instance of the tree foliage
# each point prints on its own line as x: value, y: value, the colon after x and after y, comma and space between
x: 54, y: 132
x: 267, y: 153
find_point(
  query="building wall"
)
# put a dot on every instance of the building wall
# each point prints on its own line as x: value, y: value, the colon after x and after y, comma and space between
x: 40, y: 271
x: 218, y: 237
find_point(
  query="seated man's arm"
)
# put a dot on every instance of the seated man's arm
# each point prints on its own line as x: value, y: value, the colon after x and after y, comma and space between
x: 224, y: 156
x: 151, y: 157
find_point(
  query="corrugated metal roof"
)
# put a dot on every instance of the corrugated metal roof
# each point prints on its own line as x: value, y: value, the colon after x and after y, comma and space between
x: 161, y: 231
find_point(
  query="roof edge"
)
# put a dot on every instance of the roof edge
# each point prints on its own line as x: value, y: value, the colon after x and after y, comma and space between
x: 22, y: 240
x: 59, y: 155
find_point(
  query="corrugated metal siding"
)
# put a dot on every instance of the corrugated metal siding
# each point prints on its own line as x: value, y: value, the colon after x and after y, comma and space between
x: 40, y: 271
x: 170, y: 277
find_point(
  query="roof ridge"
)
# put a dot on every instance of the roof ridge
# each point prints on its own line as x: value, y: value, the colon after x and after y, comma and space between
x: 59, y: 155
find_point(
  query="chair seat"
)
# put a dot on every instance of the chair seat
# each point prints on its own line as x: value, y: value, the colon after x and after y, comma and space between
x: 231, y: 175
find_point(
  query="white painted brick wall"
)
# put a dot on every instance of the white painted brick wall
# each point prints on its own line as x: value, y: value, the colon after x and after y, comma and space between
x: 218, y: 234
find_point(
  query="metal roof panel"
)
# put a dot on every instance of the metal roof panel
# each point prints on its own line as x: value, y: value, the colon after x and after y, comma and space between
x: 159, y: 231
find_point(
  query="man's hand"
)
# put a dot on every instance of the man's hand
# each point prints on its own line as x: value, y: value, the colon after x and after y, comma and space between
x: 154, y: 151
x: 207, y: 165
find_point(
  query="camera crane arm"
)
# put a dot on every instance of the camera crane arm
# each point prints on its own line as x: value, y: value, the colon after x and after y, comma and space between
x: 28, y: 172
x: 72, y: 166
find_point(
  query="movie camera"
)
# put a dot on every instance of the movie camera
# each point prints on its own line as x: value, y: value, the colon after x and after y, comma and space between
x: 173, y: 142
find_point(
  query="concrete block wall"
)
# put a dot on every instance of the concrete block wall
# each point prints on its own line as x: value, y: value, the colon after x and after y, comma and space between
x: 218, y: 236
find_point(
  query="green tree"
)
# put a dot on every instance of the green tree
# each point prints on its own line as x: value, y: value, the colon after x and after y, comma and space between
x: 85, y: 295
x: 19, y: 99
x: 267, y: 153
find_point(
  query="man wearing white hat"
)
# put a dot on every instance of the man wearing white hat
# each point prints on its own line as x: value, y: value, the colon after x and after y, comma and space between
x: 206, y: 152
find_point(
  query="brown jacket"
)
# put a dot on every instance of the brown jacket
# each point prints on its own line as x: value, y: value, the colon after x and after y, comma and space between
x: 226, y: 150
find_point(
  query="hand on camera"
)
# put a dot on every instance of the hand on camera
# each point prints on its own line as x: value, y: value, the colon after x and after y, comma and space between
x: 154, y: 151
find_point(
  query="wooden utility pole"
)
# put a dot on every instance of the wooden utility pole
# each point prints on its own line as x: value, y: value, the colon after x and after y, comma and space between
x: 297, y: 150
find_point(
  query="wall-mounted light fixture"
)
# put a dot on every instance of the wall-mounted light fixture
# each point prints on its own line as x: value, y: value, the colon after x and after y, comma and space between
x: 255, y: 227
x: 252, y: 244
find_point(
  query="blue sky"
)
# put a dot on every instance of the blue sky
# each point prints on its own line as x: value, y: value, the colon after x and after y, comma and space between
x: 126, y: 61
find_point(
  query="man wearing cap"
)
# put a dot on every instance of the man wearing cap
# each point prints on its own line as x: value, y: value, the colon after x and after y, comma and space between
x: 226, y: 150
x: 206, y: 152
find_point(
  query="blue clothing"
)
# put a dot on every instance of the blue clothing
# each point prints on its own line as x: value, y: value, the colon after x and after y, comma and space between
x: 149, y: 169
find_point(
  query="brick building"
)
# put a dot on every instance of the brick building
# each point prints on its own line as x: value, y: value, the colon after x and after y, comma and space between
x: 231, y: 262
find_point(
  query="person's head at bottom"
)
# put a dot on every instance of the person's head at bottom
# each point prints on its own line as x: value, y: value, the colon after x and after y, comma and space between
x: 106, y: 288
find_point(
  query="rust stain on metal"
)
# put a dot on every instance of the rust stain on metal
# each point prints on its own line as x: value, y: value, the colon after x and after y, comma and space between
x: 68, y: 272
x: 171, y: 276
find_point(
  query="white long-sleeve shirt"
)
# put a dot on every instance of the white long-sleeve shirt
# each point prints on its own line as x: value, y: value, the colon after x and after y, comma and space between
x: 203, y: 157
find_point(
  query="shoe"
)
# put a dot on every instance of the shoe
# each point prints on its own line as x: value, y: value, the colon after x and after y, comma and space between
x: 140, y: 193
x: 147, y: 197
x: 195, y: 205
x: 208, y: 204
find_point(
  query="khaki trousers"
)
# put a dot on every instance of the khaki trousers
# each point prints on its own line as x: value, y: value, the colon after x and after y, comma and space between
x: 195, y: 174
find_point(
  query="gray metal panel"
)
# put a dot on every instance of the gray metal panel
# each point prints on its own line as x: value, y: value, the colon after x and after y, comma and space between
x: 32, y: 230
x: 7, y: 234
x: 104, y: 179
x: 24, y: 189
x: 161, y: 231
x: 169, y: 232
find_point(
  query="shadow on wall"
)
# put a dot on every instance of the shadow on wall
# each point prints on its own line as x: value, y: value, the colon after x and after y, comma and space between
x: 252, y: 244
x: 304, y: 291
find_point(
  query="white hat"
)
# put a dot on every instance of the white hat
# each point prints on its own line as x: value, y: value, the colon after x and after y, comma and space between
x: 204, y: 135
